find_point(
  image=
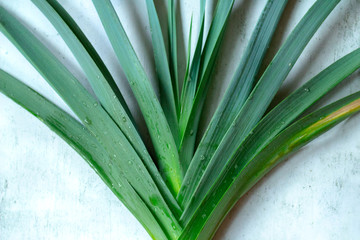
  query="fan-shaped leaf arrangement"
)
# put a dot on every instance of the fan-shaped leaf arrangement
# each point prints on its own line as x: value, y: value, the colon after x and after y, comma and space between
x: 186, y: 189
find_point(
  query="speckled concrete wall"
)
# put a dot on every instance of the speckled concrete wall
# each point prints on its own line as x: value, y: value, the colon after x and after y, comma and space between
x: 48, y: 192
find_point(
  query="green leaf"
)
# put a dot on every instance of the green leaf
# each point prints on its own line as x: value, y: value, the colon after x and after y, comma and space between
x: 264, y: 91
x: 223, y: 197
x: 190, y: 81
x: 168, y: 97
x: 103, y: 85
x: 173, y: 62
x: 279, y: 118
x: 82, y: 141
x: 164, y: 144
x: 193, y: 108
x: 189, y: 50
x: 90, y: 51
x: 234, y: 98
x: 94, y: 117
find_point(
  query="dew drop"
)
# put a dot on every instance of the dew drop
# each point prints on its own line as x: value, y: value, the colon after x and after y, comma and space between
x: 191, y: 132
x: 203, y: 216
x: 87, y: 121
x: 307, y: 89
x: 95, y: 104
x: 124, y: 119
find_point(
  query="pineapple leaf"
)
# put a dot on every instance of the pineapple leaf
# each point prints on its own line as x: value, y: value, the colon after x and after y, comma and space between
x: 264, y: 91
x: 243, y: 173
x: 192, y: 109
x: 162, y: 139
x: 173, y: 62
x: 93, y: 116
x: 82, y: 141
x: 280, y: 117
x: 234, y: 98
x: 107, y: 93
x: 168, y: 98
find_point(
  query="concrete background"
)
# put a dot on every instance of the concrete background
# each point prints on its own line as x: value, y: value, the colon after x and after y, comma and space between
x: 48, y: 192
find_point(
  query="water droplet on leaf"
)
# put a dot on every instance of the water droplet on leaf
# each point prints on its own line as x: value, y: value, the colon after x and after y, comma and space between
x: 87, y: 121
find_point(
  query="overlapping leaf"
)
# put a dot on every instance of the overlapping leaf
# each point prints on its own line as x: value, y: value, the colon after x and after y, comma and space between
x: 234, y: 98
x: 94, y: 118
x: 199, y: 80
x: 240, y: 145
x: 79, y: 138
x: 103, y: 85
x: 246, y: 172
x: 162, y: 139
x: 264, y: 91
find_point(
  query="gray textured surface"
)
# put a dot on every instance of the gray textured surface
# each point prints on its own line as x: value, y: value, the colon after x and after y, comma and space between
x: 48, y: 192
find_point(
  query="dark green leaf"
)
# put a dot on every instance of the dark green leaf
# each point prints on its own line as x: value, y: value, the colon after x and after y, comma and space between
x: 224, y: 194
x: 234, y: 98
x: 94, y: 118
x: 82, y: 141
x: 162, y: 139
x: 264, y: 91
x: 168, y: 97
x: 103, y: 85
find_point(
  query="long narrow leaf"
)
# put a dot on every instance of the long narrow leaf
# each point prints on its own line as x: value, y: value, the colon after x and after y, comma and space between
x: 223, y: 197
x: 102, y: 84
x: 281, y: 116
x: 82, y: 141
x: 235, y: 96
x: 266, y: 88
x: 164, y: 144
x: 189, y: 49
x: 94, y: 118
x: 191, y: 78
x: 100, y: 65
x: 168, y: 98
x: 173, y: 61
x: 192, y: 110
